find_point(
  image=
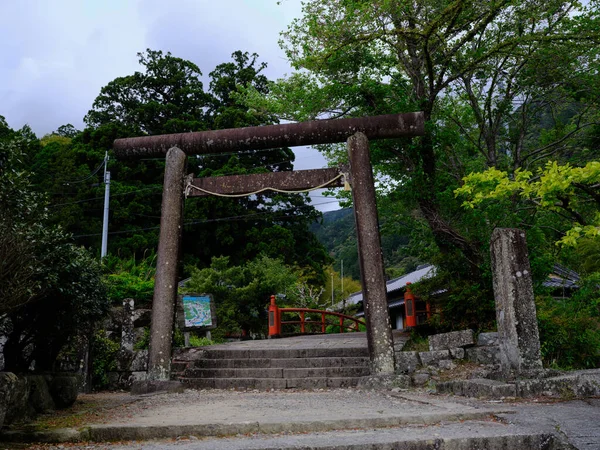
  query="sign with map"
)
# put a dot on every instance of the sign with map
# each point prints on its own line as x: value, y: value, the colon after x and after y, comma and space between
x: 197, y: 312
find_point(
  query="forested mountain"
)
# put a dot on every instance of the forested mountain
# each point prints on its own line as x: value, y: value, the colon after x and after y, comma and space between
x: 337, y: 233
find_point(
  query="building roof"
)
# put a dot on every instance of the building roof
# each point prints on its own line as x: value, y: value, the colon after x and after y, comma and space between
x: 561, y: 277
x: 423, y: 272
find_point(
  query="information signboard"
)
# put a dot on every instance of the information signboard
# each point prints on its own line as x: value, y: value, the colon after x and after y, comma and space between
x: 196, y: 312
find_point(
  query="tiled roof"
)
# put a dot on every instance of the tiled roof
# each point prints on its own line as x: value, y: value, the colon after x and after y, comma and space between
x: 561, y: 277
x: 423, y: 272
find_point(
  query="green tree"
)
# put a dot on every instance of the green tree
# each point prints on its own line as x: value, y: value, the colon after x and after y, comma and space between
x: 51, y: 289
x: 475, y: 70
x: 168, y: 97
x: 242, y: 292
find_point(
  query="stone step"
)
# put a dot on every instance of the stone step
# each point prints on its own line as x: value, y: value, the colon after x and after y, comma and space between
x: 283, y: 353
x: 284, y: 363
x: 270, y: 383
x: 312, y: 372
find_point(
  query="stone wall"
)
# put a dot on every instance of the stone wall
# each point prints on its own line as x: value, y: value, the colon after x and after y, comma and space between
x: 22, y: 397
x: 126, y: 326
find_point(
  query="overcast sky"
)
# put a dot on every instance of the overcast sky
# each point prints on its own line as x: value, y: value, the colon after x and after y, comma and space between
x: 57, y: 54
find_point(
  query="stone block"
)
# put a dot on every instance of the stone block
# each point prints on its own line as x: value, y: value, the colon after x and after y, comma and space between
x: 14, y: 393
x: 446, y: 364
x: 432, y: 358
x: 151, y: 386
x: 139, y: 362
x: 386, y: 381
x: 573, y: 385
x: 454, y: 339
x: 457, y: 353
x: 407, y: 362
x: 484, y: 355
x: 420, y: 379
x: 64, y: 390
x: 39, y: 394
x: 487, y: 388
x: 485, y: 339
x: 142, y: 318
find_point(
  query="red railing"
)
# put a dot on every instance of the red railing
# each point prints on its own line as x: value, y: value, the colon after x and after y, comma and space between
x: 275, y: 322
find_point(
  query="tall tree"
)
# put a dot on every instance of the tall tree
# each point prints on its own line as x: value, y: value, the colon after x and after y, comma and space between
x: 167, y: 96
x: 503, y: 83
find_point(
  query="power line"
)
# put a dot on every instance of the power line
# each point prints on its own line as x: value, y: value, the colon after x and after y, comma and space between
x: 198, y: 222
x: 89, y: 176
x: 101, y: 198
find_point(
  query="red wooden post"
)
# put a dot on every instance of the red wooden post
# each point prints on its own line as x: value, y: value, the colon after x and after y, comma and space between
x: 323, y: 323
x: 302, y: 330
x: 274, y: 319
x: 341, y: 324
x: 409, y: 307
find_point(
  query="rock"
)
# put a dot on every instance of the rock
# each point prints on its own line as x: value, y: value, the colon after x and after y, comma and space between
x: 64, y: 390
x: 407, y: 362
x: 446, y: 341
x: 446, y: 364
x: 432, y: 358
x: 12, y: 390
x: 139, y: 362
x: 39, y: 394
x: 457, y: 353
x: 485, y: 339
x: 420, y: 379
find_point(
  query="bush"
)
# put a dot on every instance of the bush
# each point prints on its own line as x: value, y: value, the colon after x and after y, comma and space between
x: 570, y: 327
x: 104, y: 357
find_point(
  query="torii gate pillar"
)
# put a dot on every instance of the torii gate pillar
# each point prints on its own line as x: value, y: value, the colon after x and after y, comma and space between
x: 379, y: 330
x: 165, y: 282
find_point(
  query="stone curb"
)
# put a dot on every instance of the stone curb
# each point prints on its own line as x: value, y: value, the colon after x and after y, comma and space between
x: 106, y: 433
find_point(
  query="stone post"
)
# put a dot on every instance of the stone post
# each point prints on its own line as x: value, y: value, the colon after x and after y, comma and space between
x: 515, y: 307
x: 127, y: 337
x: 165, y: 283
x: 379, y: 330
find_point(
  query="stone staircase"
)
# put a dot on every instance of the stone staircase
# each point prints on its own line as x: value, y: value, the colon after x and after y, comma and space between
x: 220, y: 367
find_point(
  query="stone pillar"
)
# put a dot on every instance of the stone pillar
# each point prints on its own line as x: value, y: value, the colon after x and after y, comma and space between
x: 515, y: 307
x: 165, y: 283
x: 127, y: 337
x: 379, y: 330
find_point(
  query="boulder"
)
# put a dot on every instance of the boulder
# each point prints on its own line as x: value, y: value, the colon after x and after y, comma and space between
x: 39, y: 394
x: 64, y: 390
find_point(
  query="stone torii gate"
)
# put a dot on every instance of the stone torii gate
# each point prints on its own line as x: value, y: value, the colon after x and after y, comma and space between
x: 356, y: 131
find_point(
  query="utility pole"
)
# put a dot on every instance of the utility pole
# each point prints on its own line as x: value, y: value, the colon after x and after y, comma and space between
x: 106, y: 201
x: 343, y: 295
x: 332, y: 287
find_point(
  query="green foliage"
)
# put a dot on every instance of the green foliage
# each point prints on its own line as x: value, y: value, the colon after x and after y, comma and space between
x: 128, y: 278
x: 509, y: 94
x: 570, y: 327
x: 196, y: 341
x: 560, y: 189
x: 143, y: 343
x: 50, y: 289
x: 104, y: 352
x: 416, y: 343
x: 242, y: 293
